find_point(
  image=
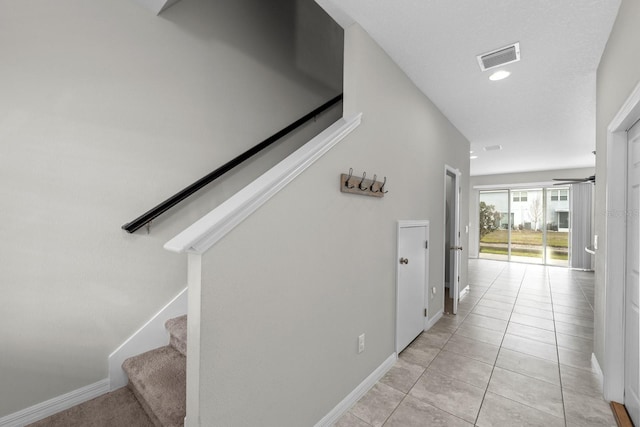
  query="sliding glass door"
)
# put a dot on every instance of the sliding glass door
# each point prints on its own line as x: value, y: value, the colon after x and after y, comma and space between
x: 557, y: 219
x: 525, y: 225
x: 494, y: 225
x: 527, y: 233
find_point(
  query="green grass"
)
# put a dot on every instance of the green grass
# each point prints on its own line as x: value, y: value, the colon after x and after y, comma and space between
x: 556, y: 239
x: 532, y: 254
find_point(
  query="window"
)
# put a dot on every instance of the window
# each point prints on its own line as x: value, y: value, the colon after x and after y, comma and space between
x: 559, y: 195
x: 519, y: 196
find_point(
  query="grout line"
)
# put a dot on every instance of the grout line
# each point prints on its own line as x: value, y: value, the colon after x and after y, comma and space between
x: 555, y: 333
x: 486, y: 390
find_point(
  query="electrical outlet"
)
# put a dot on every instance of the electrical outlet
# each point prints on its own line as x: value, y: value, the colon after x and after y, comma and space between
x: 361, y: 343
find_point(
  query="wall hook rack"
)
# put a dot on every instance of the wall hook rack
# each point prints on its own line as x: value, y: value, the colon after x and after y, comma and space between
x: 362, y: 185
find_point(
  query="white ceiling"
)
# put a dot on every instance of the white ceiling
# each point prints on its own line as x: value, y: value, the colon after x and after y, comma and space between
x: 543, y: 115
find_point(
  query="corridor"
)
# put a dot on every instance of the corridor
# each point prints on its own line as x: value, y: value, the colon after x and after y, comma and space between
x: 519, y: 353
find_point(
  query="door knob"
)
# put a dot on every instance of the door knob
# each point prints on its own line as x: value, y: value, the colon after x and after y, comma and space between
x: 456, y: 248
x: 404, y: 261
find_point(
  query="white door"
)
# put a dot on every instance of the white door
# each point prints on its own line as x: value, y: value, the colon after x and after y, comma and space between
x: 632, y: 280
x: 412, y: 264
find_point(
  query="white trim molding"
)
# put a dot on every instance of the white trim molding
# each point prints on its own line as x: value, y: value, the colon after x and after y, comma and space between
x: 55, y: 405
x: 346, y: 403
x: 208, y: 230
x: 615, y: 235
x: 432, y: 321
x: 151, y: 335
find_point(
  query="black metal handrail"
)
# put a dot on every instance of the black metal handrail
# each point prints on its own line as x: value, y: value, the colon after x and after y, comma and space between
x: 153, y: 213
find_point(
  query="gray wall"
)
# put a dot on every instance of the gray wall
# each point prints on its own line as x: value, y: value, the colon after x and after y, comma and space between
x: 618, y: 74
x: 106, y: 110
x: 507, y: 181
x: 286, y: 294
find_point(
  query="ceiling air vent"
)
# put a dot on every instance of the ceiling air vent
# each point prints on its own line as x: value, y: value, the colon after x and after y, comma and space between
x: 502, y: 56
x: 492, y: 148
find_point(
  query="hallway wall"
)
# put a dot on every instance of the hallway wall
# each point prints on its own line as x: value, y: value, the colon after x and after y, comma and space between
x: 618, y: 75
x: 106, y: 110
x: 287, y: 293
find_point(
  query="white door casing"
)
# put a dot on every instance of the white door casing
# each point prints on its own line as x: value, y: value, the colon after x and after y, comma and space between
x: 615, y: 234
x: 632, y: 279
x: 455, y: 247
x: 411, y: 285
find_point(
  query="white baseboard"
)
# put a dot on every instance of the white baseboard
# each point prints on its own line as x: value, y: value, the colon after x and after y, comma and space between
x: 151, y: 335
x: 464, y: 292
x: 55, y: 405
x: 432, y: 321
x: 346, y: 403
x: 596, y: 365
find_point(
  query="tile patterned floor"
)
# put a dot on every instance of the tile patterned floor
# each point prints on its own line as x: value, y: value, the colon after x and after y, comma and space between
x: 517, y: 354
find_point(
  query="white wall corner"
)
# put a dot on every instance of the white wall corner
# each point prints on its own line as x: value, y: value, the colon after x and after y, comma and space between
x: 335, y: 12
x: 157, y: 6
x: 151, y: 335
x: 55, y: 405
x: 351, y: 399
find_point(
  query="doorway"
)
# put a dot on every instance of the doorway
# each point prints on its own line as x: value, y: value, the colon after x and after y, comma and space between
x: 452, y: 247
x: 632, y: 279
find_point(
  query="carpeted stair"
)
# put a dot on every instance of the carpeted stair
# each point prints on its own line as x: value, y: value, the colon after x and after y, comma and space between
x: 155, y: 395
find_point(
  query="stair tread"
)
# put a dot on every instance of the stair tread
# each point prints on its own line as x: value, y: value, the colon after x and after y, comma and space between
x: 177, y: 328
x: 158, y: 379
x: 119, y: 408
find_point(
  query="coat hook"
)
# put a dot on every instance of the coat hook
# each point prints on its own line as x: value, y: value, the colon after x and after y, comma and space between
x: 381, y: 189
x: 364, y: 175
x: 346, y: 183
x: 373, y: 183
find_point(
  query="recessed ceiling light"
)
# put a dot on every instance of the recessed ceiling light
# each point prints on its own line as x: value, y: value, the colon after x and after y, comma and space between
x: 473, y: 157
x: 492, y: 147
x: 499, y: 75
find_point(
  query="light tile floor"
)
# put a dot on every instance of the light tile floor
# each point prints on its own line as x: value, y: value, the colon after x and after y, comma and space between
x: 517, y: 354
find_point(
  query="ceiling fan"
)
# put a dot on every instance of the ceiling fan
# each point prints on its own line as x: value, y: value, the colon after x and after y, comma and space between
x: 566, y: 181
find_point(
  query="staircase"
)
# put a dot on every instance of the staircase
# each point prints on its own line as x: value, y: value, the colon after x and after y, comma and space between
x: 158, y: 378
x: 155, y: 395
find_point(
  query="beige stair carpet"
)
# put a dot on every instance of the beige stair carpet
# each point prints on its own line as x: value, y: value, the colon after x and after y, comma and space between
x: 119, y: 408
x: 158, y: 379
x: 178, y: 332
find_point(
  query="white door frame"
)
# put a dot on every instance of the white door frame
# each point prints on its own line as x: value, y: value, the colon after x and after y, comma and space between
x: 615, y: 235
x: 412, y: 223
x: 454, y: 284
